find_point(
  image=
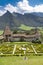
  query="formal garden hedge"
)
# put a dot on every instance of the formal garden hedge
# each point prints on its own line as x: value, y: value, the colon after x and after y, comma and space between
x: 7, y: 49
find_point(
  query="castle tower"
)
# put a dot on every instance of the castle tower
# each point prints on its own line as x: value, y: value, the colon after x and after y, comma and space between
x: 7, y: 33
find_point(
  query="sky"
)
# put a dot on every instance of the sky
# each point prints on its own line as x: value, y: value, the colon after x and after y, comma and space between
x: 13, y: 2
x: 21, y: 6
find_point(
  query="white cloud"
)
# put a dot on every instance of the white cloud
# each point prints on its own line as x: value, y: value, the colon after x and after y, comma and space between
x: 38, y: 8
x: 2, y: 12
x: 10, y: 8
x: 22, y: 7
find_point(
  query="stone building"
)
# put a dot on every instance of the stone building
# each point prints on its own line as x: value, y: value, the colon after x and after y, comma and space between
x: 8, y: 36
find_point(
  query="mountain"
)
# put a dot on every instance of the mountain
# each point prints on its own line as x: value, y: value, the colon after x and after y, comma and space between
x: 6, y: 19
x: 14, y: 20
x: 30, y: 19
x: 38, y: 14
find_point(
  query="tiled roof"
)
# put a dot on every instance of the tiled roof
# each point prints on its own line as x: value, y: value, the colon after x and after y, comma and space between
x: 7, y: 31
x: 24, y: 35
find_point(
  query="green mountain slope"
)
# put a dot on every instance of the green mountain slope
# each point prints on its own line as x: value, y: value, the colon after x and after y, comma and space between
x: 15, y: 20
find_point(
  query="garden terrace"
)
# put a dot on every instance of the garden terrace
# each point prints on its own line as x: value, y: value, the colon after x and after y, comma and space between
x: 8, y: 48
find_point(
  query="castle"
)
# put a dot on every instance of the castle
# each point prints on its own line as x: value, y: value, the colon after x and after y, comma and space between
x: 9, y: 36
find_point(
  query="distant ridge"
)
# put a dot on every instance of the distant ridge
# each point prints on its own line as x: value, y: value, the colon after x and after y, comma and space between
x: 14, y: 20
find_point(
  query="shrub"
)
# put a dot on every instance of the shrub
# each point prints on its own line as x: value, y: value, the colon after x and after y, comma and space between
x: 36, y: 41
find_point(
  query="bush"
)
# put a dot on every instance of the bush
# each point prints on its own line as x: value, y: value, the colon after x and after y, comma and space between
x: 15, y: 32
x: 36, y: 41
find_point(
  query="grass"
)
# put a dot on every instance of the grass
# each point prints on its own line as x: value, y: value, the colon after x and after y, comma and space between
x: 24, y: 27
x: 18, y: 43
x: 14, y: 60
x: 1, y: 32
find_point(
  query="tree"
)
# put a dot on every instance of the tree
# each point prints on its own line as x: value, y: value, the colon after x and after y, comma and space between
x: 36, y: 41
x: 15, y: 31
x: 21, y: 39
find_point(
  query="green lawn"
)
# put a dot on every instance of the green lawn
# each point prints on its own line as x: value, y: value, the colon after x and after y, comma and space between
x: 14, y: 60
x: 24, y: 27
x: 1, y: 32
